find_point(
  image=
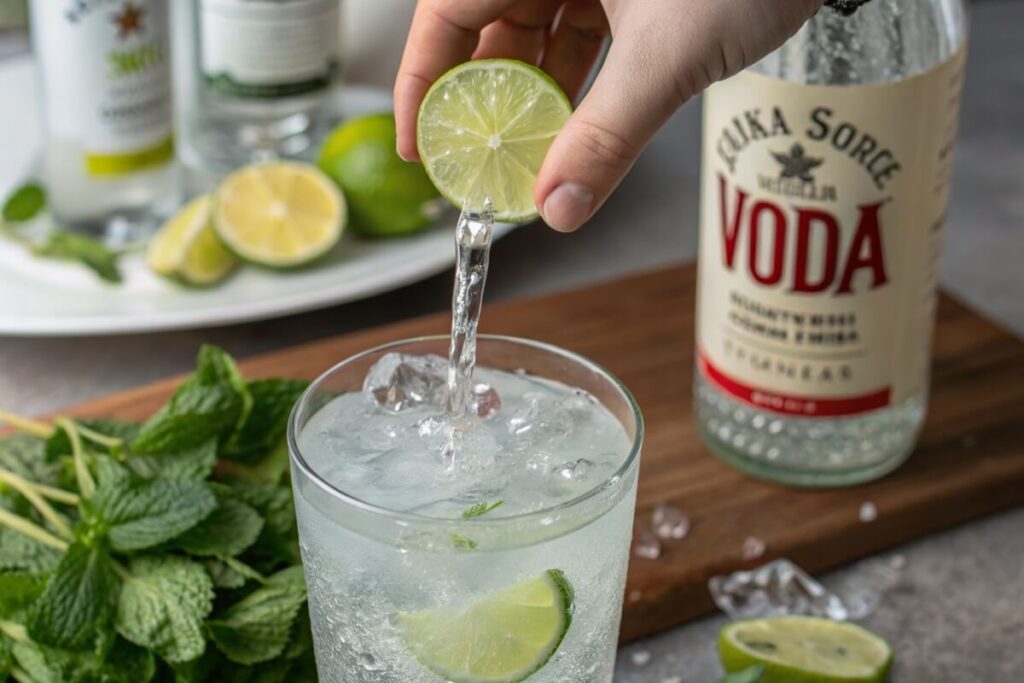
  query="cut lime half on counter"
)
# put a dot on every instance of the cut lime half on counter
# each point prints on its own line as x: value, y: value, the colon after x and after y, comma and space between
x: 805, y: 650
x: 280, y: 214
x: 187, y: 250
x: 502, y: 638
x: 483, y: 130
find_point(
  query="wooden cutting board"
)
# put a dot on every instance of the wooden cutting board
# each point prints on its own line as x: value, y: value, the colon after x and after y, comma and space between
x: 970, y: 460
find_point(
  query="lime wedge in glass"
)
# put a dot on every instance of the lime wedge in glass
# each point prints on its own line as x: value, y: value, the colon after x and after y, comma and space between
x: 279, y: 214
x: 502, y: 638
x: 805, y: 650
x: 187, y: 250
x: 483, y: 130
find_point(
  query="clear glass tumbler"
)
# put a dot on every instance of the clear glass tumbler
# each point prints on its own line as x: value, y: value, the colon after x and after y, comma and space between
x: 366, y: 565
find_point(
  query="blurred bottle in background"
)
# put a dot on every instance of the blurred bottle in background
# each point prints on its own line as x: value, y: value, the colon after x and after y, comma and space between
x: 13, y: 15
x: 108, y: 161
x: 254, y: 76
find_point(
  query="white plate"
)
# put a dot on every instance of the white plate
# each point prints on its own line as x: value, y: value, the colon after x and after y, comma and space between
x: 38, y: 297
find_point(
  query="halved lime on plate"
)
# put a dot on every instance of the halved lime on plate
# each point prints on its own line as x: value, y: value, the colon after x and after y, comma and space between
x: 280, y: 214
x: 483, y: 130
x: 805, y: 650
x: 187, y: 250
x: 502, y: 638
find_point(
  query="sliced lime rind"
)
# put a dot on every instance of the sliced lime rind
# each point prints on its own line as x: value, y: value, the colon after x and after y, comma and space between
x: 187, y: 250
x: 805, y: 650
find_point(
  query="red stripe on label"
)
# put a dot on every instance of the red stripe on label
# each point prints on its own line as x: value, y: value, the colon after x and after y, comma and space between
x: 793, y: 405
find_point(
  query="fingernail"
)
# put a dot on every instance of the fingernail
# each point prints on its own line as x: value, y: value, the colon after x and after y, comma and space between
x: 398, y: 148
x: 568, y: 206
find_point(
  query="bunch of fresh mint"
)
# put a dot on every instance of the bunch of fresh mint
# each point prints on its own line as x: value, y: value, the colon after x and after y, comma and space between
x: 165, y: 551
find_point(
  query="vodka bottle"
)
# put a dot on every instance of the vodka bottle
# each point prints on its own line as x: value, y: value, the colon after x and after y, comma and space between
x: 826, y: 172
x: 258, y: 74
x: 108, y: 160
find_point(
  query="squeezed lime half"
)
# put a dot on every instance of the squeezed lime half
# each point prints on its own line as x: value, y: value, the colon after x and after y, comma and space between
x: 483, y: 130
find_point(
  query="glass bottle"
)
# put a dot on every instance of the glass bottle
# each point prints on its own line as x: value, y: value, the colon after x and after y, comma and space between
x: 108, y: 160
x: 826, y: 172
x: 255, y: 77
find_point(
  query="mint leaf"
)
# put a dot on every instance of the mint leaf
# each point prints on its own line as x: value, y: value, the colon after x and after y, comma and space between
x: 25, y: 456
x: 25, y: 203
x: 40, y: 668
x: 69, y: 246
x: 480, y: 509
x: 264, y: 428
x: 78, y: 600
x: 18, y: 590
x: 257, y: 628
x: 223, y: 575
x: 753, y: 674
x: 138, y: 514
x: 278, y: 542
x: 123, y: 662
x: 20, y: 553
x: 196, y: 464
x: 460, y: 542
x: 269, y: 469
x: 6, y: 657
x: 210, y: 404
x: 231, y: 528
x: 162, y: 606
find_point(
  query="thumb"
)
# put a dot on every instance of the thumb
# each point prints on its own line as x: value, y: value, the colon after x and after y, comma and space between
x: 630, y: 99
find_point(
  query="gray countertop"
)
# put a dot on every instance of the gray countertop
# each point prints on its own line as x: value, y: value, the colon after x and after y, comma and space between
x: 957, y: 614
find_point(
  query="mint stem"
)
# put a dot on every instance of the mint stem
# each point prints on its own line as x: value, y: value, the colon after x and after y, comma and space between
x: 113, y: 443
x: 15, y: 632
x: 86, y: 484
x: 30, y: 529
x: 56, y: 494
x: 244, y: 569
x: 24, y: 424
x: 26, y: 489
x: 20, y: 676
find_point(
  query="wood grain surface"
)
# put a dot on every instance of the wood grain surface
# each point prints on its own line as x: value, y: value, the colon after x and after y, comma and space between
x: 970, y: 460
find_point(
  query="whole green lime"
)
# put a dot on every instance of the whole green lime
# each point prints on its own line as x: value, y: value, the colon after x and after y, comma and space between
x: 386, y: 196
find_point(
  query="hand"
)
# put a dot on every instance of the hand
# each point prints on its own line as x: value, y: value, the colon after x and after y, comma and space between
x: 663, y: 53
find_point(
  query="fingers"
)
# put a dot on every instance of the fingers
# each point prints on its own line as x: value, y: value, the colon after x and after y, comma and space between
x: 443, y: 34
x: 575, y: 44
x: 521, y: 33
x: 628, y: 102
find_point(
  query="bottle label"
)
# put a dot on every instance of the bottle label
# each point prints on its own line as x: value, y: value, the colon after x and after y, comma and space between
x: 822, y: 210
x: 268, y: 50
x: 106, y: 81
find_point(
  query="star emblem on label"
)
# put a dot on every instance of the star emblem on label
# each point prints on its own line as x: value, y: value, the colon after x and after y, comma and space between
x: 129, y: 20
x: 797, y: 164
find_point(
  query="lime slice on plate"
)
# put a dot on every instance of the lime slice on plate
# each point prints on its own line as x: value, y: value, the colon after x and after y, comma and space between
x: 386, y: 196
x: 805, y: 650
x: 502, y: 638
x: 186, y: 248
x: 483, y: 130
x: 280, y: 214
